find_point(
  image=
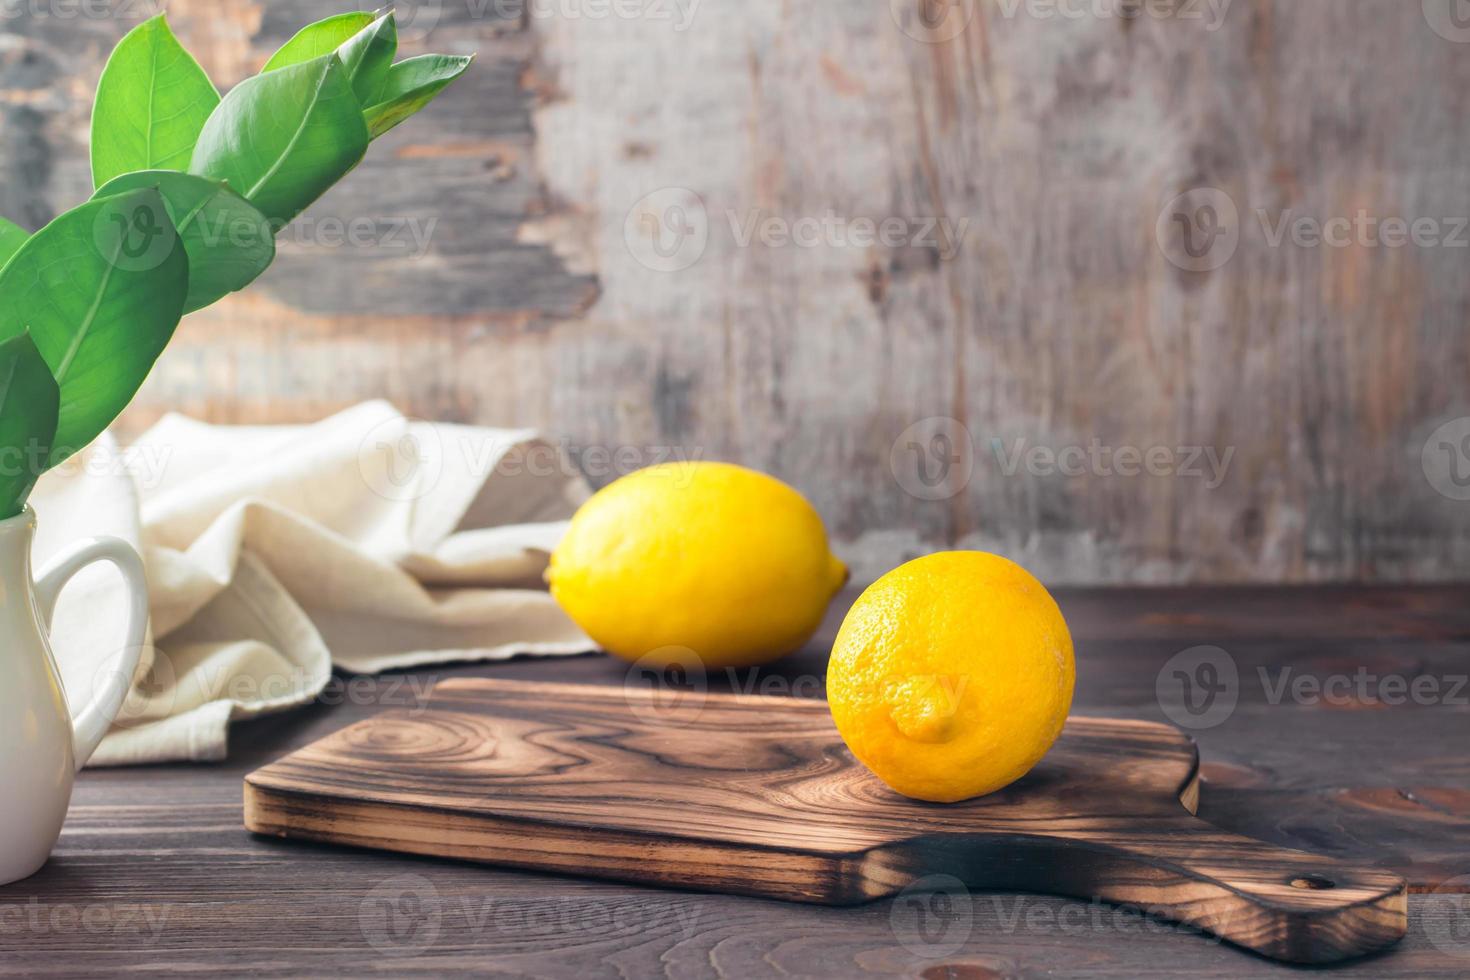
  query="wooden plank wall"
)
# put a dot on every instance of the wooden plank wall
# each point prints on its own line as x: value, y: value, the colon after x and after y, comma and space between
x: 1048, y: 138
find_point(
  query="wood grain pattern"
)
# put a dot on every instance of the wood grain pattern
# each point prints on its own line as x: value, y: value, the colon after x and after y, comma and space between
x: 1057, y: 321
x: 1383, y: 787
x: 756, y: 795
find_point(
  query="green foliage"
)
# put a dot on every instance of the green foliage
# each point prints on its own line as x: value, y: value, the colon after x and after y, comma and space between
x: 191, y: 189
x: 100, y: 289
x: 12, y: 237
x: 228, y: 242
x: 28, y: 404
x: 368, y: 56
x: 409, y: 86
x: 151, y: 102
x: 315, y: 40
x: 282, y: 138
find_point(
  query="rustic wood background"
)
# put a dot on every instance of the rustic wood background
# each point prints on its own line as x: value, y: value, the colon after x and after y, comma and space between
x: 1056, y: 318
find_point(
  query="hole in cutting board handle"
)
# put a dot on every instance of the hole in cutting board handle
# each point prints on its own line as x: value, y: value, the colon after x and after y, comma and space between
x: 1314, y: 883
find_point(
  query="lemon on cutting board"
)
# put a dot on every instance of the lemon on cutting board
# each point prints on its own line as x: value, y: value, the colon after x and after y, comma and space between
x: 952, y: 676
x: 709, y: 558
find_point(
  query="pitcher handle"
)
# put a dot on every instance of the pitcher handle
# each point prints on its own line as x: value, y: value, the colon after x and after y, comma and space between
x: 93, y: 721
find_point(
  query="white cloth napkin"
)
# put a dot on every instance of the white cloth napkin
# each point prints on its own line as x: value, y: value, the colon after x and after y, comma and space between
x: 368, y: 541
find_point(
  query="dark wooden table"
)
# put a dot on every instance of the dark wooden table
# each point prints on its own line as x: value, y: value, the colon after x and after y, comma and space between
x: 154, y: 875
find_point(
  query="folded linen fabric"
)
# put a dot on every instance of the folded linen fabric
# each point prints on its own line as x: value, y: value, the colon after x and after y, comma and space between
x: 367, y: 541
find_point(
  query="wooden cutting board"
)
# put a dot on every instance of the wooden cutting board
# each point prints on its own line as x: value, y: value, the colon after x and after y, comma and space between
x: 759, y: 796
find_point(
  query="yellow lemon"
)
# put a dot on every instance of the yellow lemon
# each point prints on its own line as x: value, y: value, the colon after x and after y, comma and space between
x: 716, y: 559
x: 952, y: 675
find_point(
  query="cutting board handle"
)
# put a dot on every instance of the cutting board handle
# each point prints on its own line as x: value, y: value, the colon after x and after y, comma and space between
x: 759, y: 796
x: 1286, y: 904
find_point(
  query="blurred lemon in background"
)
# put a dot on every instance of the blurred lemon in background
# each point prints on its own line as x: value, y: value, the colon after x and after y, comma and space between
x: 952, y: 675
x: 714, y: 558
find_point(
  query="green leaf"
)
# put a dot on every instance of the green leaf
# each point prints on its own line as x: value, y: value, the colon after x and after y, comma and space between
x: 410, y: 85
x: 28, y: 405
x: 368, y: 55
x: 12, y: 237
x: 152, y: 100
x: 315, y: 40
x: 229, y: 242
x: 101, y: 290
x: 281, y: 139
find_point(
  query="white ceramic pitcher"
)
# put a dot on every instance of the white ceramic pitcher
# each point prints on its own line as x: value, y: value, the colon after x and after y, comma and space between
x: 41, y: 746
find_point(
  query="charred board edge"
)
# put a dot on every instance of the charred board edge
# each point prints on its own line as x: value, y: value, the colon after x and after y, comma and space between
x: 1163, y: 861
x: 1091, y: 870
x: 617, y: 855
